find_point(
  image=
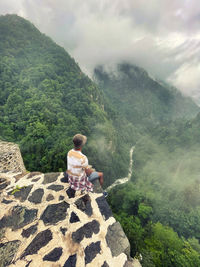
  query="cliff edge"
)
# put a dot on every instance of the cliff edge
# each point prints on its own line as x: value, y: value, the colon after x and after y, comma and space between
x: 44, y: 223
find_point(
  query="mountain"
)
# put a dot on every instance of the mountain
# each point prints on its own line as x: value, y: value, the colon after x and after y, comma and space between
x: 45, y: 99
x: 140, y: 98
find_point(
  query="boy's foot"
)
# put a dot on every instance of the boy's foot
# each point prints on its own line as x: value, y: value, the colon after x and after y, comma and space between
x: 105, y: 194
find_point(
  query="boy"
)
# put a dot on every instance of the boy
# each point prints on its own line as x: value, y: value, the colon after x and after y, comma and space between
x: 80, y: 174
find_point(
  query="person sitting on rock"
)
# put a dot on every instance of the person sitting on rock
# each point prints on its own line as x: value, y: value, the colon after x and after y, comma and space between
x: 80, y: 174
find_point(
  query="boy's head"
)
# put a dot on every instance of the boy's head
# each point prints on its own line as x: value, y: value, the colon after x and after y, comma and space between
x: 79, y: 140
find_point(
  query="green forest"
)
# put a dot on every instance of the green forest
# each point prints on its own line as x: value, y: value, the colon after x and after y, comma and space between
x: 45, y: 99
x: 160, y: 207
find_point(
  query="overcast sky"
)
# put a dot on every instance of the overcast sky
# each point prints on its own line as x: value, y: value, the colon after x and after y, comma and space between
x: 162, y: 36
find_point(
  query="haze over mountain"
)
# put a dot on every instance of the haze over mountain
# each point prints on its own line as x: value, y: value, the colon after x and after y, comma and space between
x: 46, y: 98
x: 161, y: 36
x: 140, y: 98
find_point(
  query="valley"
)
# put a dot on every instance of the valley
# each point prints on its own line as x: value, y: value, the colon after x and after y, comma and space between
x: 45, y: 99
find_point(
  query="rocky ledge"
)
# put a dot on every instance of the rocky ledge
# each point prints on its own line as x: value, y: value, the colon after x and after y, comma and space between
x: 45, y: 223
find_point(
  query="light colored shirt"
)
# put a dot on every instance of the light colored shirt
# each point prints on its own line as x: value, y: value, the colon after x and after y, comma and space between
x: 77, y: 162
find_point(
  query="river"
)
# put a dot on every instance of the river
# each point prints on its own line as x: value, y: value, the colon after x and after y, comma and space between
x: 130, y: 170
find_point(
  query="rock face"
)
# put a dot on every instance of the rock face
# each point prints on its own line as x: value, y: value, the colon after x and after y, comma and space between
x: 44, y: 223
x: 10, y: 158
x: 115, y: 232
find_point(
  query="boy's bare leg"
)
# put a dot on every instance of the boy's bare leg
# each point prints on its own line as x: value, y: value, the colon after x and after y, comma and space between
x: 100, y: 178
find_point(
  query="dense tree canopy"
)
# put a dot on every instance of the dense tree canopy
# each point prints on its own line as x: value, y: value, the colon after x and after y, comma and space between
x: 160, y: 208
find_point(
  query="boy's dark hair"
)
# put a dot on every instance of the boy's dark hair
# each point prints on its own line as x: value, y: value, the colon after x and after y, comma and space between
x: 79, y: 140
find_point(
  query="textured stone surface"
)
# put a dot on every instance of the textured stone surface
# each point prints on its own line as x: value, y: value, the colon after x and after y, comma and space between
x: 2, y: 233
x: 19, y: 176
x: 36, y: 196
x: 105, y: 264
x: 10, y: 158
x: 104, y: 207
x: 134, y: 263
x: 56, y: 187
x: 86, y: 231
x: 22, y: 193
x: 64, y: 179
x: 50, y: 197
x: 3, y: 180
x: 70, y: 192
x: 91, y: 251
x: 71, y: 261
x: 59, y: 232
x: 97, y: 187
x: 20, y: 216
x: 63, y: 230
x: 28, y: 264
x: 115, y: 232
x: 131, y: 264
x: 41, y: 240
x: 84, y: 204
x: 3, y: 183
x: 7, y: 252
x: 29, y: 231
x: 32, y: 174
x: 36, y: 179
x: 54, y: 255
x: 50, y: 177
x: 55, y: 213
x: 5, y: 201
x: 74, y: 218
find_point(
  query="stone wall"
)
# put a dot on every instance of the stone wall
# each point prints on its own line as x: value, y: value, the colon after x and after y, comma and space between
x: 43, y: 222
x: 10, y: 158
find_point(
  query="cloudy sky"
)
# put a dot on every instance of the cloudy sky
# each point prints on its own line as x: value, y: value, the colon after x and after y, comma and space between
x: 162, y: 36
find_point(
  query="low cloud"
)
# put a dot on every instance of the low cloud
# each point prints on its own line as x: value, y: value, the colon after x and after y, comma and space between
x: 160, y: 36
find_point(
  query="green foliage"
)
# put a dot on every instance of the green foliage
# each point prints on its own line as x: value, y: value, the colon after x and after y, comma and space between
x: 168, y: 249
x: 159, y: 245
x: 141, y: 99
x: 144, y: 211
x: 45, y: 99
x: 133, y: 229
x: 17, y: 189
x: 166, y: 168
x: 165, y: 197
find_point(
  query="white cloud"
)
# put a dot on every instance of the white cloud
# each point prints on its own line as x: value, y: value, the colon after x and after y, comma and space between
x: 161, y: 36
x: 187, y: 78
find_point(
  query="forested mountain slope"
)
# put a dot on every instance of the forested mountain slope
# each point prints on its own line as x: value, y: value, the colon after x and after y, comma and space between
x: 140, y: 98
x: 45, y: 99
x: 160, y: 208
